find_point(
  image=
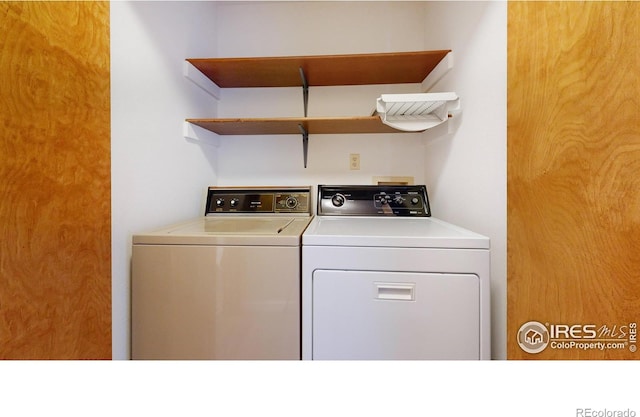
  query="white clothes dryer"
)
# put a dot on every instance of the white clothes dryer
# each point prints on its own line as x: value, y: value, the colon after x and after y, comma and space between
x: 381, y: 279
x: 226, y: 285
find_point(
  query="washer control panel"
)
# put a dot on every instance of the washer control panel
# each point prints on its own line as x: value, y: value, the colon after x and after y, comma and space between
x: 259, y: 200
x: 373, y: 200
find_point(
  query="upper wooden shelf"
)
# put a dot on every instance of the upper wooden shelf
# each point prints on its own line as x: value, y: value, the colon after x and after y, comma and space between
x: 320, y: 70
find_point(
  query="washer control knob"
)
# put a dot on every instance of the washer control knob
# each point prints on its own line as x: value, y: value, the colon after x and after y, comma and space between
x: 415, y: 200
x: 398, y: 200
x: 219, y: 202
x: 338, y: 200
x: 234, y: 202
x: 291, y: 202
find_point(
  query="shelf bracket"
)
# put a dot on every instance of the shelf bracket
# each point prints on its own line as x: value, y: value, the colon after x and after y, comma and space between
x: 198, y: 78
x: 305, y: 91
x: 305, y: 143
x: 197, y: 134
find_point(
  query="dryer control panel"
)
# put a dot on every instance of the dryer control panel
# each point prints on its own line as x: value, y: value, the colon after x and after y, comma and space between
x: 373, y: 200
x: 259, y: 200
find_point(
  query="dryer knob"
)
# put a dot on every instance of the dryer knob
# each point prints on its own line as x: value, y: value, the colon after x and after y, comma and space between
x: 415, y: 200
x: 234, y: 202
x: 220, y: 202
x: 338, y: 200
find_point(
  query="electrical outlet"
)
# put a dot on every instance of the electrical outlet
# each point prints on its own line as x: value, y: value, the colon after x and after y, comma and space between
x: 354, y: 161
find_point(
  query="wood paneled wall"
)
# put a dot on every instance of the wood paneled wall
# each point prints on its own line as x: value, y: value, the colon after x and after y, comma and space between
x: 574, y: 175
x: 55, y: 181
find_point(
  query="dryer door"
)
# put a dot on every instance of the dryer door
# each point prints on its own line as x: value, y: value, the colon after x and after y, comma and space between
x: 395, y: 315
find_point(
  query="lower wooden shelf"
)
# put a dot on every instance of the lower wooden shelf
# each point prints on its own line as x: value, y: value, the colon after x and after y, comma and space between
x: 291, y: 125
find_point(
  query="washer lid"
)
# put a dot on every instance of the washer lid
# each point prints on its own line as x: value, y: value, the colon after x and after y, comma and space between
x: 245, y: 231
x: 424, y: 232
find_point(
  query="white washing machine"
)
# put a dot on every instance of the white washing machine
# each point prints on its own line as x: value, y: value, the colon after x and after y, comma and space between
x: 381, y: 279
x: 224, y: 286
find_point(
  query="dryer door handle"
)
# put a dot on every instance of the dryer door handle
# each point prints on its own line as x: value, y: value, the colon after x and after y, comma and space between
x: 395, y: 291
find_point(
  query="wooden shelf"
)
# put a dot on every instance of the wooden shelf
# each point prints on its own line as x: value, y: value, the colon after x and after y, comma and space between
x: 320, y: 70
x: 291, y: 125
x: 314, y: 70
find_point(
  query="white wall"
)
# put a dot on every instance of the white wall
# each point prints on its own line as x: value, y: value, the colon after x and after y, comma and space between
x: 157, y: 176
x: 466, y: 171
x: 315, y: 28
